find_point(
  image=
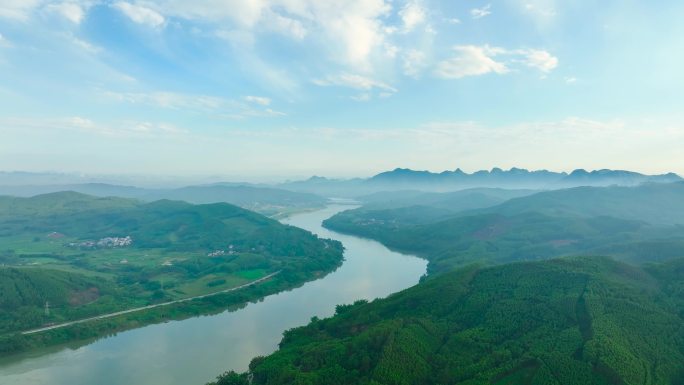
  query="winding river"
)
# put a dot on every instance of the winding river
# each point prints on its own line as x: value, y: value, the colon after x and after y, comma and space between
x: 194, y: 351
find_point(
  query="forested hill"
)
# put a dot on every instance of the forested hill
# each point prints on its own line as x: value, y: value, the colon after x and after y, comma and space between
x: 265, y: 200
x: 88, y: 256
x: 60, y: 203
x: 636, y: 224
x: 24, y: 293
x: 657, y: 203
x: 170, y: 224
x: 567, y: 321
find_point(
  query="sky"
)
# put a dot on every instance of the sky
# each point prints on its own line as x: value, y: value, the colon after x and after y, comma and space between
x: 291, y: 88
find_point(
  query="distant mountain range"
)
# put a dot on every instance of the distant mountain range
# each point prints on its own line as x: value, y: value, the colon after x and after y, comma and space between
x: 265, y: 200
x: 519, y: 178
x: 515, y: 178
x: 312, y: 190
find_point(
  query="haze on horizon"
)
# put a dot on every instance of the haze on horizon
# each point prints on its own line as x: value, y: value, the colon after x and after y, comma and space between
x: 339, y: 88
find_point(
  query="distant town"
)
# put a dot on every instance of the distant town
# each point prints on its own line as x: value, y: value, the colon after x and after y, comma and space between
x: 104, y: 243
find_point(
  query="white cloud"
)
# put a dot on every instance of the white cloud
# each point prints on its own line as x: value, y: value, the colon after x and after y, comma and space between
x: 479, y: 60
x: 71, y: 11
x: 391, y: 50
x: 287, y: 26
x: 17, y: 9
x: 471, y: 61
x: 268, y: 112
x: 453, y: 20
x: 244, y: 13
x: 258, y: 100
x: 478, y: 13
x: 86, y: 46
x: 541, y: 60
x: 354, y: 81
x: 355, y: 28
x: 413, y: 62
x: 140, y: 14
x: 355, y: 25
x: 412, y: 14
x: 570, y: 80
x: 543, y: 12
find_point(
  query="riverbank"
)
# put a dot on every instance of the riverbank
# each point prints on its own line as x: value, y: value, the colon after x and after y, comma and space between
x: 118, y: 313
x: 195, y: 349
x: 108, y: 324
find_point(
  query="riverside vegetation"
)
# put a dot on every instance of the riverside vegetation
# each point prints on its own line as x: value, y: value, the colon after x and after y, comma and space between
x: 54, y: 269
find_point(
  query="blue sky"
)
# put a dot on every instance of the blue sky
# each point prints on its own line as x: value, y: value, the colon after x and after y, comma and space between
x: 289, y: 88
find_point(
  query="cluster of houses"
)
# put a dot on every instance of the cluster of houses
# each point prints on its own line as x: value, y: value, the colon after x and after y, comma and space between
x: 218, y: 253
x: 104, y: 243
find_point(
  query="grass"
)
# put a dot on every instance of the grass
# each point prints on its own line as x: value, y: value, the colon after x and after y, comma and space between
x: 252, y: 274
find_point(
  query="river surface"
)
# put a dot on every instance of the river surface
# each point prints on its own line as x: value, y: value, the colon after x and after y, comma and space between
x: 194, y: 351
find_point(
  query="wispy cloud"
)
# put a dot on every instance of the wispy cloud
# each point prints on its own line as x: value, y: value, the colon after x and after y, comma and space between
x: 86, y: 46
x: 414, y: 61
x: 4, y: 42
x: 122, y: 129
x: 17, y: 9
x: 542, y: 12
x: 358, y: 82
x: 412, y: 14
x: 539, y: 59
x: 264, y: 101
x: 140, y: 14
x: 478, y: 13
x: 174, y: 100
x: 70, y: 10
x: 471, y: 60
x: 193, y: 103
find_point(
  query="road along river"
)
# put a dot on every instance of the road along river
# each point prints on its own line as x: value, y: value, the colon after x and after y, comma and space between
x: 195, y: 350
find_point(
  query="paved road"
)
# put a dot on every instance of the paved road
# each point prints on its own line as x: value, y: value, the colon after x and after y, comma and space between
x: 109, y: 315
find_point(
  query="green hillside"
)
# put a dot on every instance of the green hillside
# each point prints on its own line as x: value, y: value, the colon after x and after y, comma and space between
x: 565, y: 321
x: 657, y: 203
x: 25, y: 291
x: 494, y: 238
x: 612, y: 221
x: 452, y: 201
x: 65, y: 202
x: 88, y: 256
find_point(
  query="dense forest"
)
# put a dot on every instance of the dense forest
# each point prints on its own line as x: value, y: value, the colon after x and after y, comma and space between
x: 584, y: 320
